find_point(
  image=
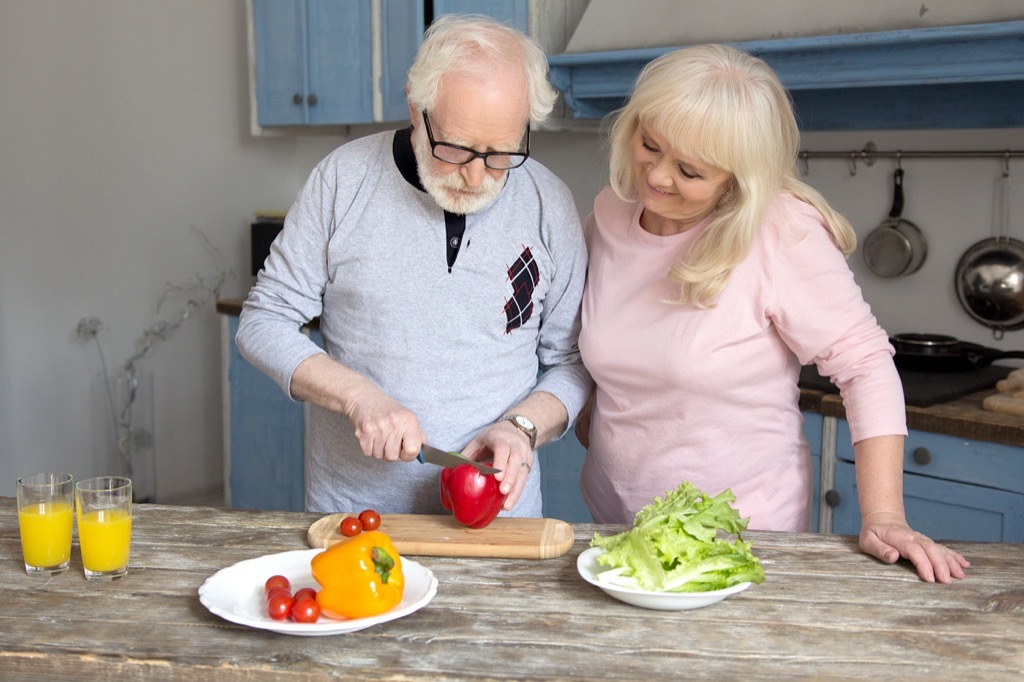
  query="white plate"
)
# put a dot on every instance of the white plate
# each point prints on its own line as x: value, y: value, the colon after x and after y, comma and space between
x: 236, y: 593
x: 589, y: 569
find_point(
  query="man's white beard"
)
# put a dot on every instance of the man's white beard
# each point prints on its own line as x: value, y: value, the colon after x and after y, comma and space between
x: 449, y: 189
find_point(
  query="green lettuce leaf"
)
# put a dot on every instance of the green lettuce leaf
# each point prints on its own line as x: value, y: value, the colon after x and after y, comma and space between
x: 676, y: 545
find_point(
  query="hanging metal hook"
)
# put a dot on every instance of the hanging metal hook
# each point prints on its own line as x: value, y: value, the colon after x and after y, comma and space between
x: 805, y: 166
x: 853, y: 163
x: 899, y: 160
x: 1006, y: 164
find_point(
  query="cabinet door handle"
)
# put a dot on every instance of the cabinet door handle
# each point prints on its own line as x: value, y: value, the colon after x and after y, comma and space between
x: 833, y: 498
x: 297, y: 98
x: 922, y: 455
x: 312, y: 99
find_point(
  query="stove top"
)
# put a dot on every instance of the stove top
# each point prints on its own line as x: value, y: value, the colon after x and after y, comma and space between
x: 923, y: 389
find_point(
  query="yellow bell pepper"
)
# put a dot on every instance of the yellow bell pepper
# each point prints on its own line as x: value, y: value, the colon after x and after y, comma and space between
x: 359, y: 577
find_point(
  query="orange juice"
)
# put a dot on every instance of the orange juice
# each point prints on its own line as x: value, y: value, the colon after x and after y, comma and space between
x: 105, y: 537
x: 45, y: 533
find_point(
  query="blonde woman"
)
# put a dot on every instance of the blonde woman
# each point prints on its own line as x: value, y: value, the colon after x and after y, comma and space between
x: 714, y: 274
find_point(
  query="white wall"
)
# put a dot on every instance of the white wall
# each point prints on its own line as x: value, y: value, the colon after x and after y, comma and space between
x: 123, y: 122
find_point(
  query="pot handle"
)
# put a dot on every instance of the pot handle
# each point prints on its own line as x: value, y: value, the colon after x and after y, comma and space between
x: 897, y: 198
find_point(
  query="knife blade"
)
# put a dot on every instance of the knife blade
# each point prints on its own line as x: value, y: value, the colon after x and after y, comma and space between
x: 448, y: 460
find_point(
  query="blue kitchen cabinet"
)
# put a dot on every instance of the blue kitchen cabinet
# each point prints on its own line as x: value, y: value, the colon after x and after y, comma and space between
x: 560, y: 464
x: 953, y: 489
x: 313, y: 62
x: 512, y: 12
x: 401, y: 34
x: 264, y: 457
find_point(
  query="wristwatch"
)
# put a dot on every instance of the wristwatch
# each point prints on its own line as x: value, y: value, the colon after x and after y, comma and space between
x: 524, y: 425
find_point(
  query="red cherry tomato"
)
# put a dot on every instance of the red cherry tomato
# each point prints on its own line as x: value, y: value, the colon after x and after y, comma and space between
x: 280, y: 606
x: 276, y: 581
x: 278, y: 590
x: 351, y: 527
x: 305, y: 611
x: 369, y: 519
x: 305, y: 593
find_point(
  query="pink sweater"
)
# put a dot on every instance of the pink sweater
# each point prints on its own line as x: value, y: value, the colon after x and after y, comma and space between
x: 710, y: 396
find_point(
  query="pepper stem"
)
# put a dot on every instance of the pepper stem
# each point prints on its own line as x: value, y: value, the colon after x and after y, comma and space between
x: 382, y: 563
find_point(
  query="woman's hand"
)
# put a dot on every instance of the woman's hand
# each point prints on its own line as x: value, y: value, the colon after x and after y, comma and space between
x: 889, y: 538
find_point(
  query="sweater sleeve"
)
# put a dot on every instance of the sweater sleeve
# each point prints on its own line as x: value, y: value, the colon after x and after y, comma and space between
x: 821, y: 314
x: 289, y: 290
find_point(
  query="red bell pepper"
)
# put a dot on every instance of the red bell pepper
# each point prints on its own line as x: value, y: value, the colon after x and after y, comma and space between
x: 473, y: 498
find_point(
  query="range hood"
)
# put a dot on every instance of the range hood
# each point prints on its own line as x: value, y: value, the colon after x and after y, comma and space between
x: 962, y: 76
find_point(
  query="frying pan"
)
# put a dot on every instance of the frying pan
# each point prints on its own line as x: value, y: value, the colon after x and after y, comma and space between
x: 939, y: 353
x: 896, y: 247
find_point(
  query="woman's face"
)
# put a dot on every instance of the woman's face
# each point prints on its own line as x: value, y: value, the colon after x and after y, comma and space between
x: 677, y: 192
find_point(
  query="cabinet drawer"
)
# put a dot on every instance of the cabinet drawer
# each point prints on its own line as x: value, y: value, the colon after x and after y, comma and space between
x: 954, y: 459
x: 942, y: 510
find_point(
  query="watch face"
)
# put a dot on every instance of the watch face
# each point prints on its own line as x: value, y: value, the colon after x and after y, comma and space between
x: 524, y: 422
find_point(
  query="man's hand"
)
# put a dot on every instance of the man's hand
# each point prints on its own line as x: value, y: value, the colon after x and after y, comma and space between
x: 511, y: 452
x: 385, y: 428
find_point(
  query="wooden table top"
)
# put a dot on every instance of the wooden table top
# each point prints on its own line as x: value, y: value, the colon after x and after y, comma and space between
x: 824, y: 610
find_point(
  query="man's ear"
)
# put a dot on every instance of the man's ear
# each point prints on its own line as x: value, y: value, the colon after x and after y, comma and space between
x: 412, y: 109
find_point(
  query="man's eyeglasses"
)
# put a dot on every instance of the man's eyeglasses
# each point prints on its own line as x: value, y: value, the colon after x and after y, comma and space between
x: 453, y: 153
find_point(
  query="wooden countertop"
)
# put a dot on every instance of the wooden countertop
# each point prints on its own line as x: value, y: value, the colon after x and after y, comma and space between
x: 825, y: 610
x: 230, y: 306
x: 962, y: 418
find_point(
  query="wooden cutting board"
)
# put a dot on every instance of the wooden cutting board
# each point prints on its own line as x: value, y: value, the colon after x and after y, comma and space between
x: 426, y: 535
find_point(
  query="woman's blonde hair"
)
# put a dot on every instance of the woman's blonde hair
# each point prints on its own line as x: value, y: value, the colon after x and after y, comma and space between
x: 472, y: 44
x: 725, y: 108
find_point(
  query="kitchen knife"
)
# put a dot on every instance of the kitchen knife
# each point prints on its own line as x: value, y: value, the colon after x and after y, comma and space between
x: 451, y: 459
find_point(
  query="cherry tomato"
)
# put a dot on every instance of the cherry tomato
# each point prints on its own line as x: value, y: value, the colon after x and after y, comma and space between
x: 369, y: 519
x: 305, y: 593
x: 278, y: 590
x: 280, y: 606
x: 276, y: 581
x: 305, y: 611
x: 350, y: 526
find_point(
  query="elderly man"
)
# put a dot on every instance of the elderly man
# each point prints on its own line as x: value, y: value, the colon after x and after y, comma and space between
x: 447, y: 270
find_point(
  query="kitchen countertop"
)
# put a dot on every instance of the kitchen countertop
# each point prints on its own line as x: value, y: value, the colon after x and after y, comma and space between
x: 824, y: 610
x: 962, y: 418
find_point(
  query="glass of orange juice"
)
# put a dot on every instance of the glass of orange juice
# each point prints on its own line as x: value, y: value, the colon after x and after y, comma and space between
x: 104, y: 525
x: 45, y: 502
